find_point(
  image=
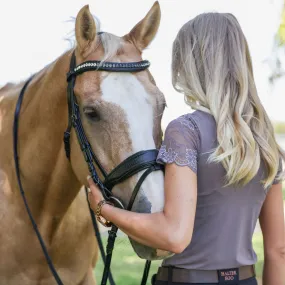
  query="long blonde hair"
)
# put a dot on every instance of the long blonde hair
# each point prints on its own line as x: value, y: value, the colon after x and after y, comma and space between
x: 211, y: 66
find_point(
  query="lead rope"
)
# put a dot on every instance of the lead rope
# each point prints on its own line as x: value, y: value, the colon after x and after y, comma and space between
x: 16, y: 159
x: 99, y: 239
x: 146, y: 272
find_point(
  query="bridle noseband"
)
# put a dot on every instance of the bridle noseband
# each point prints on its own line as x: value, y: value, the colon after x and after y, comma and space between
x: 143, y: 160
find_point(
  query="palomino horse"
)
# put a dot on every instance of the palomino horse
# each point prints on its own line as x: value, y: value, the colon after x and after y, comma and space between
x: 121, y: 115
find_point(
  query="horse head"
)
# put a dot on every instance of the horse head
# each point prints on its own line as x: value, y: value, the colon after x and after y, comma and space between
x: 120, y: 111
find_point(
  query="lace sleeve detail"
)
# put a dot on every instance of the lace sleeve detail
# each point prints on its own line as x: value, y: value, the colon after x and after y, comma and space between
x: 181, y: 142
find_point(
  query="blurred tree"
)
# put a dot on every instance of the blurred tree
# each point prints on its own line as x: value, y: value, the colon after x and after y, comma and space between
x: 279, y: 128
x: 279, y: 41
x: 281, y: 29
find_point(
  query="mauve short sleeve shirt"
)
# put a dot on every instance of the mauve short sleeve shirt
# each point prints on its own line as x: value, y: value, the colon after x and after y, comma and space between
x: 226, y: 216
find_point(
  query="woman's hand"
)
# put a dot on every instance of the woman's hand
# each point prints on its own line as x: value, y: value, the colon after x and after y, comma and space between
x: 95, y: 195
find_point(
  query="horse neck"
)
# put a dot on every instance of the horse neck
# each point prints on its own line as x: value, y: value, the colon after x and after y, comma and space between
x: 46, y: 173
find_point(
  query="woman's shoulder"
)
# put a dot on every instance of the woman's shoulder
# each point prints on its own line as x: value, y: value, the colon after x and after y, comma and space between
x: 181, y: 143
x: 191, y: 121
x: 183, y: 130
x: 183, y: 122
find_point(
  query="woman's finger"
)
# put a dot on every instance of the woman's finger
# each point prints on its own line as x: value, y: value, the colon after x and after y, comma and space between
x: 95, y: 191
x: 92, y: 185
x: 90, y: 181
x: 92, y: 201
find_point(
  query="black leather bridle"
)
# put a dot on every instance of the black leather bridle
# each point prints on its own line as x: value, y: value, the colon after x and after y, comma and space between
x: 143, y: 160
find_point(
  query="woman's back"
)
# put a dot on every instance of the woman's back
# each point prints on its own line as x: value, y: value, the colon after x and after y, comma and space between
x: 225, y: 216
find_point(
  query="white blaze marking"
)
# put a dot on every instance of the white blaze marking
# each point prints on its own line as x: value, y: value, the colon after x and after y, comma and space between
x: 125, y: 90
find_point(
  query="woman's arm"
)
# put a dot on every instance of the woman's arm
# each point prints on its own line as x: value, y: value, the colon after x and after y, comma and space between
x: 170, y: 229
x: 272, y: 226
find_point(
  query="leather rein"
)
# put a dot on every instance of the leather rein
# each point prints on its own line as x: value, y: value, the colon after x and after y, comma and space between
x: 143, y: 160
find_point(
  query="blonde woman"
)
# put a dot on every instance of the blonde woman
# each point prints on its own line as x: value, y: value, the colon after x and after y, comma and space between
x: 223, y: 167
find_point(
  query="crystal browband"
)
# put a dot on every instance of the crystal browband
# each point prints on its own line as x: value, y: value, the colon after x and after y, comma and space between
x: 97, y: 65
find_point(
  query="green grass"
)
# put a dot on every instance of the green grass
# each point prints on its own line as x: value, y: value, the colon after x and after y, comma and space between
x: 258, y: 247
x: 127, y: 267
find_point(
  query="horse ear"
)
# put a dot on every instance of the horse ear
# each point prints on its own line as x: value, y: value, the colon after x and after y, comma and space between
x: 144, y: 31
x: 85, y: 29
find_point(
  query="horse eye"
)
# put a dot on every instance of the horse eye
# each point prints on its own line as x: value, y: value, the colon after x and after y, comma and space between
x: 91, y: 114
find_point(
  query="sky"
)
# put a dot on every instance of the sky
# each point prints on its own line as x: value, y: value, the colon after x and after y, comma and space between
x: 33, y: 33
